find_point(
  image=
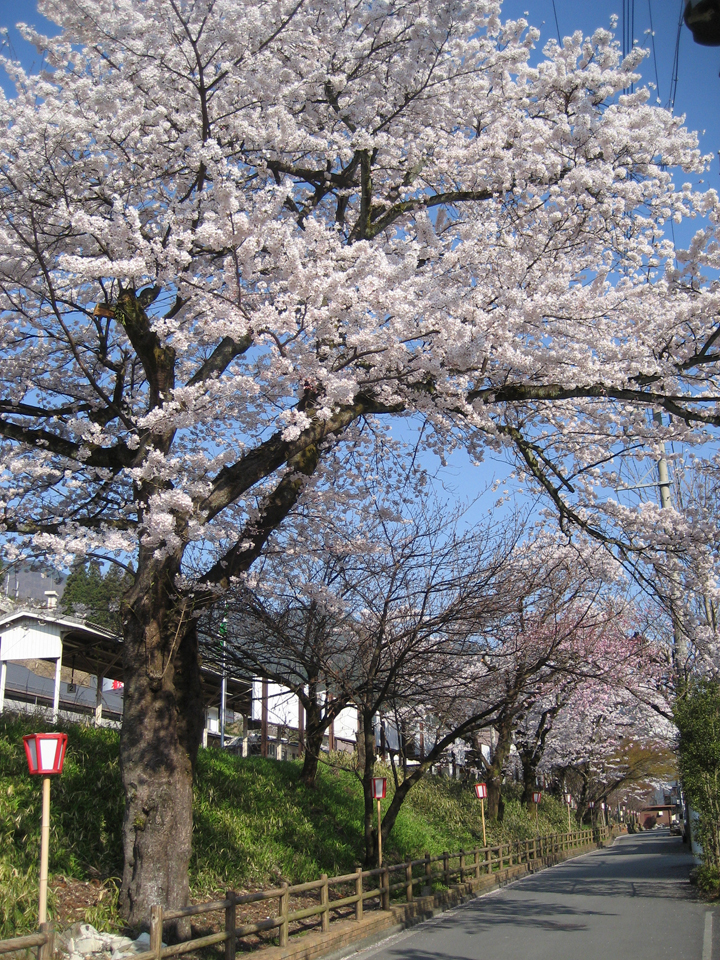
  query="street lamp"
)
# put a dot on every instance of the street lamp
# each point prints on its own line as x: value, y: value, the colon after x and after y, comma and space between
x: 45, y: 754
x: 379, y: 786
x: 481, y: 794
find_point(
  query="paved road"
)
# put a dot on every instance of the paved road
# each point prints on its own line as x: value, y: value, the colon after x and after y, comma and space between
x: 631, y: 900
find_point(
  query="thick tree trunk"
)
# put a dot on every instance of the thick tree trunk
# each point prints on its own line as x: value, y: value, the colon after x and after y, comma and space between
x: 494, y: 775
x: 161, y: 732
x: 529, y: 766
x: 360, y: 742
x: 314, y: 731
x: 370, y: 814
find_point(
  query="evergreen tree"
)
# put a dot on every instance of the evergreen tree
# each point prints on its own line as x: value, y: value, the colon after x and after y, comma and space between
x: 95, y: 596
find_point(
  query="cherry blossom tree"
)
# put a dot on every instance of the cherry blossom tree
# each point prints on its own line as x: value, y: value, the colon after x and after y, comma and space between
x: 391, y: 611
x: 233, y: 235
x: 605, y: 739
x: 551, y: 642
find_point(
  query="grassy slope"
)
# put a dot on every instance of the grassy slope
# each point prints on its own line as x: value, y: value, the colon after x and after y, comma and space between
x: 254, y: 822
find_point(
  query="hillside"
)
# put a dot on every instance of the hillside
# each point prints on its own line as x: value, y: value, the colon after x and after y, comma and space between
x: 254, y: 823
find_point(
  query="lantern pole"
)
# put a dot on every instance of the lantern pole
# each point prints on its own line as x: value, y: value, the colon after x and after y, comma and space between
x: 482, y: 813
x: 40, y: 762
x: 537, y: 828
x: 379, y: 835
x: 44, y: 850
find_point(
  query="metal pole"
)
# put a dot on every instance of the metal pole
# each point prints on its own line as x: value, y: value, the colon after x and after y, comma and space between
x: 44, y: 850
x: 379, y: 836
x: 223, y: 697
x: 223, y: 683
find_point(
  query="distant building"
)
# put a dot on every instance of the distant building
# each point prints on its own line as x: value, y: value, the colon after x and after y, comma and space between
x: 62, y: 664
x: 56, y: 663
x: 31, y: 641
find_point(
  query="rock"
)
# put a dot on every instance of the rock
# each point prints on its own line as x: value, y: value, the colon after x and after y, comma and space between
x: 82, y: 941
x: 140, y: 945
x: 115, y: 942
x: 87, y: 945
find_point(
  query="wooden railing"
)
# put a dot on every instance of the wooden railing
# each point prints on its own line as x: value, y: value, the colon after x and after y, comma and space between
x: 44, y: 939
x: 336, y: 895
x: 381, y: 885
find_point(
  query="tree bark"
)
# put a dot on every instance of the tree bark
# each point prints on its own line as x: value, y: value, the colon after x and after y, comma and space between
x: 494, y: 774
x: 161, y: 733
x: 529, y: 765
x: 369, y: 828
x: 314, y: 731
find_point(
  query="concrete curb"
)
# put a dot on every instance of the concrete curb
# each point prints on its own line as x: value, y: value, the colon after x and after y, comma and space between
x: 380, y: 924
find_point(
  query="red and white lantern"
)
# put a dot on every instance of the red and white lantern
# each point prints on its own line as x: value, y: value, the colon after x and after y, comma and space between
x: 481, y: 791
x: 379, y: 785
x: 568, y: 798
x: 45, y: 752
x: 537, y: 797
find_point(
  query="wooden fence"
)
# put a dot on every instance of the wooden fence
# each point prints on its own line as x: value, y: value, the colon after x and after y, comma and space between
x: 343, y: 897
x: 44, y: 940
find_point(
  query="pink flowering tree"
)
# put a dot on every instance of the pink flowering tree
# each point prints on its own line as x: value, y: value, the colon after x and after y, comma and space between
x: 605, y: 739
x: 234, y: 234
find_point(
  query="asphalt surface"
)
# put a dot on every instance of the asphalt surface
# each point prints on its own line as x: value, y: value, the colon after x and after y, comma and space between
x: 632, y: 900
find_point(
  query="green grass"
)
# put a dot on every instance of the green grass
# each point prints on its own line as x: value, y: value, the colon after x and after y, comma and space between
x: 255, y: 823
x: 86, y: 817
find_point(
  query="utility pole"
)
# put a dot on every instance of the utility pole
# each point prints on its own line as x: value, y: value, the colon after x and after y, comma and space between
x: 679, y: 642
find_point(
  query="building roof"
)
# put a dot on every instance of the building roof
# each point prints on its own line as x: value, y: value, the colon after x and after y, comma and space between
x: 90, y: 648
x: 85, y: 645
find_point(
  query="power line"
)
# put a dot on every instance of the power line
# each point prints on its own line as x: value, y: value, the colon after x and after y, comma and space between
x: 557, y: 25
x: 676, y: 61
x: 628, y: 29
x: 652, y: 41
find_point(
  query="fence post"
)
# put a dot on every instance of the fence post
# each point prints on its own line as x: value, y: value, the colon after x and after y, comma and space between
x: 446, y: 868
x: 230, y: 924
x: 462, y: 866
x: 359, y: 893
x: 156, y: 925
x: 488, y: 859
x: 428, y: 872
x: 385, y: 889
x: 534, y: 843
x: 408, y: 882
x: 325, y: 903
x: 47, y: 949
x: 284, y: 912
x: 476, y: 862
